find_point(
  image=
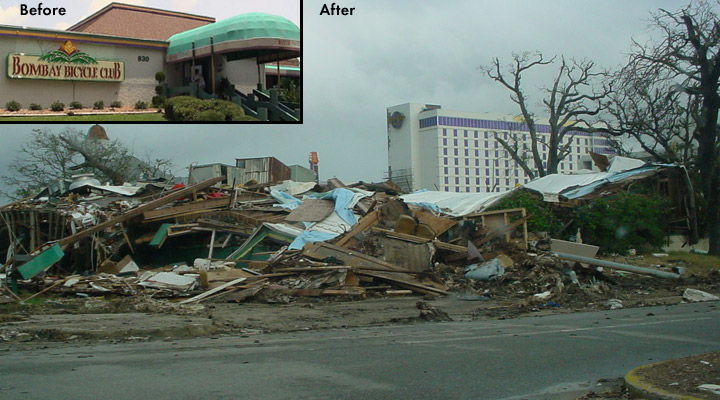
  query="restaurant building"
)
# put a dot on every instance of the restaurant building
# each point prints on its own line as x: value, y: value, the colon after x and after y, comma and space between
x: 114, y: 54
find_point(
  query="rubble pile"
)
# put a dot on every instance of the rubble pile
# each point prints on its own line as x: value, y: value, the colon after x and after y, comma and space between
x: 276, y: 242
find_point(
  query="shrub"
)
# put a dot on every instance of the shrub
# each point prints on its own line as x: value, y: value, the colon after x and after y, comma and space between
x: 141, y: 105
x: 210, y: 115
x: 116, y: 104
x: 13, y: 106
x: 542, y: 220
x: 186, y: 108
x: 160, y: 76
x: 57, y: 106
x: 99, y: 105
x: 35, y: 107
x: 76, y: 105
x: 159, y: 101
x: 623, y: 221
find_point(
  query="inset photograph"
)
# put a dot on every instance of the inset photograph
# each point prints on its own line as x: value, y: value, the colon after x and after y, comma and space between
x: 151, y: 61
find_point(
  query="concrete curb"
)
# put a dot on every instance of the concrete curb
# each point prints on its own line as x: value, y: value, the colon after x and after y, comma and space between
x: 645, y: 390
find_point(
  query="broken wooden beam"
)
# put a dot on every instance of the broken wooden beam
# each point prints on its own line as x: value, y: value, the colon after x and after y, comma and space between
x: 170, y: 212
x: 139, y: 211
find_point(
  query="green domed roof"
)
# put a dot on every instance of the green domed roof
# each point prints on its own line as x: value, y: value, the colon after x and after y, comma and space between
x: 241, y: 27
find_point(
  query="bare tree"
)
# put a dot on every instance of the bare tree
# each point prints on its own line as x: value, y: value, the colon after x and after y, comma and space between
x: 46, y: 157
x: 661, y: 121
x: 685, y: 61
x: 568, y: 102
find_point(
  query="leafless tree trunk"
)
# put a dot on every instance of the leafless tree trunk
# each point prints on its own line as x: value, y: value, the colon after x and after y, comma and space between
x: 568, y: 102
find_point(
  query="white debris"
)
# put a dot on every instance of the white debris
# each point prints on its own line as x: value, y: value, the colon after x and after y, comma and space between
x: 168, y: 280
x: 614, y: 304
x: 543, y: 295
x: 707, y: 387
x: 695, y: 295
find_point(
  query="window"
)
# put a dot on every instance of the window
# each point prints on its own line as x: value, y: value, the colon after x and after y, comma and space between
x: 477, y: 143
x: 487, y: 153
x: 446, y: 170
x: 444, y: 151
x: 477, y: 153
x: 487, y: 144
x: 444, y: 132
x: 455, y: 142
x: 467, y: 171
x: 444, y: 141
x: 466, y: 152
x: 466, y: 136
x: 466, y: 141
x: 457, y: 171
x: 467, y: 181
x: 477, y: 162
x: 447, y: 188
x: 447, y: 180
x: 467, y: 189
x: 467, y: 161
x: 456, y: 151
x: 455, y: 135
x: 457, y: 180
x: 445, y: 160
x: 476, y: 136
x: 477, y: 181
x: 487, y: 171
x: 487, y: 162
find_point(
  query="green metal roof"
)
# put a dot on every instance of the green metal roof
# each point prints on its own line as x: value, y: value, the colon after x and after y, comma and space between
x: 241, y: 27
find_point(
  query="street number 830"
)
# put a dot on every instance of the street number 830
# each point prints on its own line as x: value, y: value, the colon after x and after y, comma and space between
x: 143, y: 59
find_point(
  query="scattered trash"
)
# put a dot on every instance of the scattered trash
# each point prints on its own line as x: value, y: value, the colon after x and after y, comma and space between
x: 486, y: 271
x: 711, y: 388
x: 614, y: 304
x: 695, y: 295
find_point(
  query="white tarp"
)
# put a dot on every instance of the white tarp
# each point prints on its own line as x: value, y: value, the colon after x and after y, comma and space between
x: 453, y: 203
x: 550, y: 186
x: 620, y: 164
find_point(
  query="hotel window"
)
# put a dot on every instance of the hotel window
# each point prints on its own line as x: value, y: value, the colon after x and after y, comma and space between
x: 477, y: 189
x: 444, y: 141
x: 507, y: 182
x: 476, y: 136
x: 466, y: 143
x: 444, y: 132
x: 457, y: 180
x: 455, y: 134
x: 444, y: 151
x: 497, y: 154
x: 477, y: 143
x: 457, y: 171
x: 447, y: 188
x: 562, y: 165
x: 456, y: 151
x: 477, y: 162
x: 487, y: 171
x: 447, y: 180
x: 487, y: 181
x: 467, y: 181
x: 578, y: 150
x: 486, y: 135
x: 516, y: 172
x: 466, y: 136
x: 467, y: 161
x: 466, y: 152
x: 507, y: 163
x: 497, y: 172
x: 477, y: 153
x: 467, y: 189
x: 455, y: 142
x: 457, y: 161
x: 487, y: 162
x: 445, y: 160
x: 457, y: 189
x: 467, y: 171
x: 446, y: 170
x: 487, y: 153
x: 487, y: 144
x: 496, y: 145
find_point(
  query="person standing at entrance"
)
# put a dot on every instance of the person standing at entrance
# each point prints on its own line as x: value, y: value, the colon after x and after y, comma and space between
x: 198, y: 78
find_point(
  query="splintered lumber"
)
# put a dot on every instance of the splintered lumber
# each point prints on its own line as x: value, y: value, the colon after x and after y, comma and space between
x: 370, y: 219
x: 213, y: 291
x: 414, y: 286
x: 438, y: 224
x: 450, y: 247
x: 401, y: 236
x: 165, y: 213
x: 160, y: 236
x: 140, y: 210
x: 321, y: 250
x: 497, y: 232
x: 55, y: 284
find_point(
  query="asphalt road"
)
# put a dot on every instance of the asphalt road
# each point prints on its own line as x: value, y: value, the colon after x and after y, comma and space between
x: 550, y: 357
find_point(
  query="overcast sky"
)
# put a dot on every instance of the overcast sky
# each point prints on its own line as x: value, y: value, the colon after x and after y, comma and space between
x: 387, y: 53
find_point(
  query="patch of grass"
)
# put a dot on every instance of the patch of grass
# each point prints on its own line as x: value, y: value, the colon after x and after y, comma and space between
x: 115, y: 117
x: 695, y: 263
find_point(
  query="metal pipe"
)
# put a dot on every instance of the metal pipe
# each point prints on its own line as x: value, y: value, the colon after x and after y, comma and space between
x: 614, y: 265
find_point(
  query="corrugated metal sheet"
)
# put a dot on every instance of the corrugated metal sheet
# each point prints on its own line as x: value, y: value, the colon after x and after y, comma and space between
x: 264, y: 170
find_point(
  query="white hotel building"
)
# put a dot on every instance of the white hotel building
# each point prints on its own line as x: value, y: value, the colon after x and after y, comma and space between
x: 456, y: 151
